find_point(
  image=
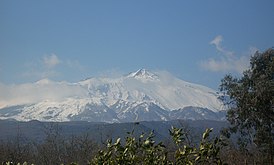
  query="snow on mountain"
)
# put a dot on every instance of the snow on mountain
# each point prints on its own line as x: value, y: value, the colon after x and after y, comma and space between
x: 140, y: 95
x: 143, y: 75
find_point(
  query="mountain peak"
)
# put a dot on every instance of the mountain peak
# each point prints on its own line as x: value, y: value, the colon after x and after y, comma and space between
x: 141, y: 95
x: 143, y: 74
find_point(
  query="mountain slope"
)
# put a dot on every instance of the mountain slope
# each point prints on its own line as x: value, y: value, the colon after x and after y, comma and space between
x: 138, y: 96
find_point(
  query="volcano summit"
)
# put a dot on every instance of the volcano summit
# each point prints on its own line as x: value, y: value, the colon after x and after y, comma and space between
x: 139, y: 96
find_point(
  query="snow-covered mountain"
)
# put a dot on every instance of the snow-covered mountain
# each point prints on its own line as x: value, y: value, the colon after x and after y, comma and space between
x: 138, y: 96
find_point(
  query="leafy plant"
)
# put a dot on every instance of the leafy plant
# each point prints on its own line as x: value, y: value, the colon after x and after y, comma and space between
x: 143, y: 150
x: 208, y: 152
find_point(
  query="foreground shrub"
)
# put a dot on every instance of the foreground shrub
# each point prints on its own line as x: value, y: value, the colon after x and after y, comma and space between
x: 134, y: 151
x: 146, y: 151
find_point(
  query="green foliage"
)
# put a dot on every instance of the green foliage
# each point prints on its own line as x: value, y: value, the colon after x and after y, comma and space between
x: 208, y: 152
x: 145, y: 151
x: 251, y: 103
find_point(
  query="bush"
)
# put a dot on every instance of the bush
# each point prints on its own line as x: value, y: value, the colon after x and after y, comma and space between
x: 146, y: 151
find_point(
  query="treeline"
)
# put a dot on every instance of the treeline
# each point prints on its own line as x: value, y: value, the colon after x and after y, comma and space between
x: 181, y: 148
x: 53, y: 149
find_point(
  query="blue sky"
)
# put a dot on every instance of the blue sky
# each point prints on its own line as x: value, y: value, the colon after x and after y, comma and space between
x: 197, y: 41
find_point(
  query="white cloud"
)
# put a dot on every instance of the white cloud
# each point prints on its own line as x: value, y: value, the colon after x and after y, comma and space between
x: 226, y: 64
x: 45, y: 67
x: 228, y: 60
x: 40, y: 91
x: 51, y: 61
x: 42, y: 68
x: 217, y: 41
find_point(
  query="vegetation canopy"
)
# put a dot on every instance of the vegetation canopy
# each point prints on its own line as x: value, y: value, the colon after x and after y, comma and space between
x: 250, y: 100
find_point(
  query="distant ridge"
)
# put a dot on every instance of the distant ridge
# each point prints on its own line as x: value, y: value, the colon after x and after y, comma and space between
x: 139, y: 96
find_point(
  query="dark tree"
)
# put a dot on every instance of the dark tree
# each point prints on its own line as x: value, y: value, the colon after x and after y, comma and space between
x: 250, y: 100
